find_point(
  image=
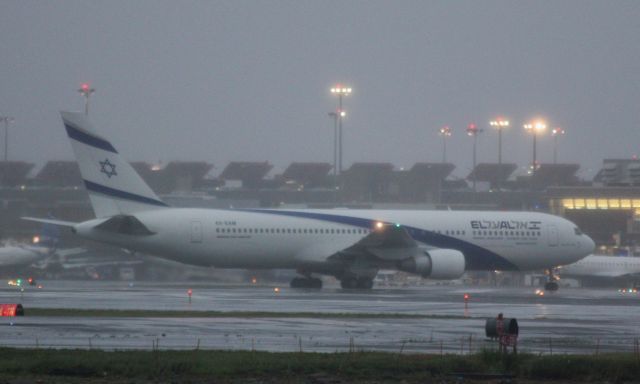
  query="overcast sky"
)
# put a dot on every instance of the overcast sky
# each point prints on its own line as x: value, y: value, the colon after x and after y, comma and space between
x: 249, y: 80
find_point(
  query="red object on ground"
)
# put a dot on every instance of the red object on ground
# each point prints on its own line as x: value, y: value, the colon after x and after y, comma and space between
x: 10, y: 310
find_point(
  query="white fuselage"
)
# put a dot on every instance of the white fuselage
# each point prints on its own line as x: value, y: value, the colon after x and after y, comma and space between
x: 15, y: 256
x: 290, y: 239
x: 602, y: 266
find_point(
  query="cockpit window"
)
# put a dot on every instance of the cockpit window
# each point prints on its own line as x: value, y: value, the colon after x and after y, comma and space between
x: 577, y: 231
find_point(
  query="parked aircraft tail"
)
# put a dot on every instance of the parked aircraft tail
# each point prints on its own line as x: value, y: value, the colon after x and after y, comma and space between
x: 114, y: 186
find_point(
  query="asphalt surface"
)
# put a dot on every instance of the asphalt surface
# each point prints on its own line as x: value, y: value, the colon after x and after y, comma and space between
x: 571, y: 320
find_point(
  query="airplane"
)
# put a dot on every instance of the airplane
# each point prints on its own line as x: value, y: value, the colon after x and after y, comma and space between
x: 603, y: 267
x: 351, y: 245
x: 42, y: 246
x: 22, y: 255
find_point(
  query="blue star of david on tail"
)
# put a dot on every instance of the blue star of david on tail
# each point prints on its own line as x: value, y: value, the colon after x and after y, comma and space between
x: 108, y: 168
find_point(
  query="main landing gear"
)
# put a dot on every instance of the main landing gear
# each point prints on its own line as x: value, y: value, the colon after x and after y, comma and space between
x: 306, y: 282
x: 356, y: 283
x: 551, y: 284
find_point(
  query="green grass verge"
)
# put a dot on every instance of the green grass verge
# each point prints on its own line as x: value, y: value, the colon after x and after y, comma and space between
x: 243, y: 314
x: 179, y: 366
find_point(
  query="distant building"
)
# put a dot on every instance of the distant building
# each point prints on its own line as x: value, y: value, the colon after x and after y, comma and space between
x: 619, y: 173
x: 14, y: 173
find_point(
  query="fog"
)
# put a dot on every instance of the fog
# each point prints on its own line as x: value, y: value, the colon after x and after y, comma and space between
x: 248, y: 80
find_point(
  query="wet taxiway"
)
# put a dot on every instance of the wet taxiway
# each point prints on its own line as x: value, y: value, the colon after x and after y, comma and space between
x: 571, y: 320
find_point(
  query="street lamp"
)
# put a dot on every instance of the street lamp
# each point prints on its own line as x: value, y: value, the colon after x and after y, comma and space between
x: 445, y: 132
x: 334, y: 116
x: 86, y: 91
x: 6, y: 120
x: 534, y: 128
x: 499, y: 124
x: 340, y: 91
x: 555, y: 132
x: 474, y: 131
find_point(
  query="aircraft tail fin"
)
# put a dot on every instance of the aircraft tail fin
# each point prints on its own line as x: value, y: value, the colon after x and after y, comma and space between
x: 114, y: 186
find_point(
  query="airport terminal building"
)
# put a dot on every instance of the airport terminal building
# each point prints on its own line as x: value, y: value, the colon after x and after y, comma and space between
x: 607, y: 208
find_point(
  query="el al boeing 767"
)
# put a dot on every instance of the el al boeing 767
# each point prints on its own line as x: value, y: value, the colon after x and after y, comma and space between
x: 351, y: 245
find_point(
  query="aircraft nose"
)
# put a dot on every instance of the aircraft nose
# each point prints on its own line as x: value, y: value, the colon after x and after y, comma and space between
x: 588, y: 244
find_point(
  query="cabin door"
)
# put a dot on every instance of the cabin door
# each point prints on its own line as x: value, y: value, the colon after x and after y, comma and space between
x: 552, y: 235
x: 196, y: 232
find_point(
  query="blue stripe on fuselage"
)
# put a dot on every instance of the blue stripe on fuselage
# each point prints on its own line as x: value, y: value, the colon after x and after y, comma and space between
x: 93, y: 187
x: 478, y: 258
x: 88, y: 139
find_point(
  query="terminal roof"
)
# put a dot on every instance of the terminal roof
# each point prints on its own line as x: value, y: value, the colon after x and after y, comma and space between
x: 431, y: 171
x: 60, y: 173
x: 492, y: 172
x: 246, y: 171
x: 555, y: 174
x: 307, y: 173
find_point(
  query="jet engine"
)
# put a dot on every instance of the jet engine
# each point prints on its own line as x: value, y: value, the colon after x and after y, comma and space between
x: 439, y: 264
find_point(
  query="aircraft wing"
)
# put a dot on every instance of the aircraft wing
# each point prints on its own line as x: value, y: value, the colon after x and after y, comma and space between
x: 388, y: 243
x: 69, y: 251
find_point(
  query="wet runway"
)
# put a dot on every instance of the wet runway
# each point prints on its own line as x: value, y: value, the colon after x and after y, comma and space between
x: 571, y: 320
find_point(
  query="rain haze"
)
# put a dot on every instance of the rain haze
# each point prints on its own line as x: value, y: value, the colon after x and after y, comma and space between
x: 248, y: 80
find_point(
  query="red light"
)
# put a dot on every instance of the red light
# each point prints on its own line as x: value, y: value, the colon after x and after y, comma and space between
x: 466, y: 297
x: 189, y: 292
x: 472, y: 126
x: 84, y: 86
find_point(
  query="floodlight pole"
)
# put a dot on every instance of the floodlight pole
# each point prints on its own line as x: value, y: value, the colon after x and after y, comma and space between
x: 473, y: 130
x: 340, y: 91
x: 7, y: 120
x: 445, y: 132
x: 86, y: 91
x: 555, y: 133
x: 334, y: 116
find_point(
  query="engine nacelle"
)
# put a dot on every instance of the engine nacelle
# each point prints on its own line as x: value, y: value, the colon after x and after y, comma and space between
x: 439, y: 264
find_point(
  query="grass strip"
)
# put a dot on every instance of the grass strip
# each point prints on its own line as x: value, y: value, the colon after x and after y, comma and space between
x: 244, y: 366
x: 71, y: 312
